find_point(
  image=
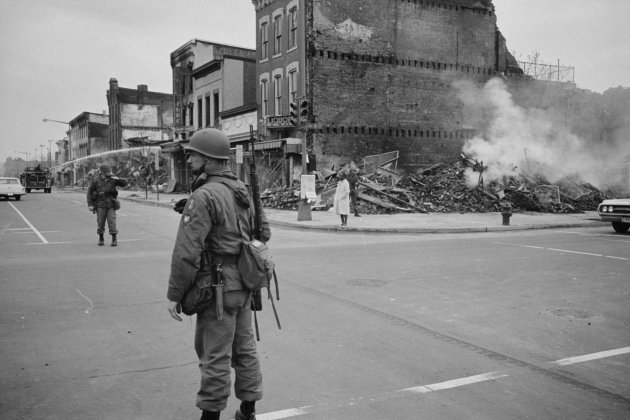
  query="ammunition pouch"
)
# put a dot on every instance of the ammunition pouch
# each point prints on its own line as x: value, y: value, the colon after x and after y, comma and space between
x: 198, y: 297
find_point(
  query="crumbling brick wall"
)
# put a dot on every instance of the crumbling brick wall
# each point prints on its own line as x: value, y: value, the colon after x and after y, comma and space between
x: 381, y: 74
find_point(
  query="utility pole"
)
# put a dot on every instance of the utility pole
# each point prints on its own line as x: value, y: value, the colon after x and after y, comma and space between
x: 50, y: 153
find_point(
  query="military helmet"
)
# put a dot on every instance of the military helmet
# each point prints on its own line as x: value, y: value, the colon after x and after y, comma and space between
x: 210, y: 142
x: 105, y: 169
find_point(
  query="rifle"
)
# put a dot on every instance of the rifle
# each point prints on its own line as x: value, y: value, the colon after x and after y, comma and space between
x: 258, y: 229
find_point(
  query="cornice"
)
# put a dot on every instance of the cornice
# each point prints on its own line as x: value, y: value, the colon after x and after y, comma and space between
x: 260, y: 4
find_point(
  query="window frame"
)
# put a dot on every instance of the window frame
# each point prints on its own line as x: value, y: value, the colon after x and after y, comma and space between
x: 264, y: 97
x: 277, y: 34
x: 292, y: 27
x: 277, y: 93
x: 264, y: 40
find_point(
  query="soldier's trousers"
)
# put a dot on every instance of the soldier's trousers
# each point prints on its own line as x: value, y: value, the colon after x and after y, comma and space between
x: 224, y: 344
x: 106, y: 214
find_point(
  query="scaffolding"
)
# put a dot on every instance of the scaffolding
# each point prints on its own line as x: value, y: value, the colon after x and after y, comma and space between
x: 548, y: 72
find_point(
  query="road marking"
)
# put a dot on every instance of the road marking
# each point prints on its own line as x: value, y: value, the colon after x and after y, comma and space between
x: 47, y: 243
x: 563, y: 250
x: 592, y: 356
x: 575, y: 252
x: 454, y: 383
x: 41, y: 237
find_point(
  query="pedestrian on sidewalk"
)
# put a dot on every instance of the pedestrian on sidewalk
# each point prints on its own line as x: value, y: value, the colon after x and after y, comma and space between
x: 102, y: 200
x: 214, y: 216
x: 342, y: 199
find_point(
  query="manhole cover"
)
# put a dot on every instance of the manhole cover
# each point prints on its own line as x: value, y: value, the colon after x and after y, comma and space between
x: 572, y: 313
x: 367, y: 282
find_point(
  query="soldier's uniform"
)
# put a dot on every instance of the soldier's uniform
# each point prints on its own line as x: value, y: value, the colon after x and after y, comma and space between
x: 101, y: 195
x: 208, y: 222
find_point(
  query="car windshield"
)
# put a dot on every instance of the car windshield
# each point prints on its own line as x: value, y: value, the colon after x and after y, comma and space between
x: 8, y: 181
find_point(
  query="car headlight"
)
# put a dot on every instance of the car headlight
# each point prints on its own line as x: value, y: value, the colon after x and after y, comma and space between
x: 603, y: 209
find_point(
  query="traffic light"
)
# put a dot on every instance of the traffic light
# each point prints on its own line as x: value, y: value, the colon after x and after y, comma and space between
x: 293, y: 114
x: 303, y: 111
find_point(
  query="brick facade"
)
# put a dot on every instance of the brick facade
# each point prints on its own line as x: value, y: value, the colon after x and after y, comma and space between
x: 378, y: 74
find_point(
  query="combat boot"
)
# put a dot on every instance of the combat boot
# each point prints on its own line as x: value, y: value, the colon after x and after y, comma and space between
x: 114, y: 240
x: 210, y: 415
x: 101, y: 240
x: 247, y: 411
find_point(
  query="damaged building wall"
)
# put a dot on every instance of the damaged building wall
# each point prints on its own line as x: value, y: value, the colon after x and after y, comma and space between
x: 381, y: 71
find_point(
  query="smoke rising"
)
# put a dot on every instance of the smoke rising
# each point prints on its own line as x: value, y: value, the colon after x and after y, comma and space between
x: 513, y: 140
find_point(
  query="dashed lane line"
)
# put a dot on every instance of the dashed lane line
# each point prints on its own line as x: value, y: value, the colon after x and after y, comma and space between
x: 567, y: 251
x: 440, y: 386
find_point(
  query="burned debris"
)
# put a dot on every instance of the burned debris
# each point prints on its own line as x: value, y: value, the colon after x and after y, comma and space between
x: 443, y: 188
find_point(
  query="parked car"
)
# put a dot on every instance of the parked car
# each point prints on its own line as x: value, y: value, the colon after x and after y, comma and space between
x: 11, y: 187
x: 616, y: 211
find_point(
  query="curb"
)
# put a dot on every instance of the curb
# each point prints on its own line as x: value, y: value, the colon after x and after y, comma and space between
x: 334, y: 228
x: 331, y: 228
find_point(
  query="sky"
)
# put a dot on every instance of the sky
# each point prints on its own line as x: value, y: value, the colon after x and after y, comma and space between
x: 57, y: 56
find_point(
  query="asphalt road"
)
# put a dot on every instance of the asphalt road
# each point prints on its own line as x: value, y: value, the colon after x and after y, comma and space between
x: 505, y: 325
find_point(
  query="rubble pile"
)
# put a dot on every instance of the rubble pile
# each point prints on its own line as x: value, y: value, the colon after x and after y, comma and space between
x: 442, y: 188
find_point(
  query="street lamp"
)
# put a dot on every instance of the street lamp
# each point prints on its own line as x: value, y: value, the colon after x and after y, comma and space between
x: 61, y: 122
x: 57, y: 121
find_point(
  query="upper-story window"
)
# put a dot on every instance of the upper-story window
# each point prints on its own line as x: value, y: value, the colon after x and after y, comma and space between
x: 264, y: 99
x: 292, y: 79
x: 277, y: 29
x: 264, y: 41
x: 217, y: 107
x: 277, y: 89
x: 207, y: 109
x: 293, y: 27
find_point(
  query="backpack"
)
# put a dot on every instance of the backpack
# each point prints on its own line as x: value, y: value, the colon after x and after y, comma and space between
x: 254, y: 263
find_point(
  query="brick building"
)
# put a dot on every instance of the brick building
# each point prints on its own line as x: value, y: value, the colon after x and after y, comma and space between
x: 377, y: 74
x: 88, y: 134
x: 213, y: 86
x: 138, y: 116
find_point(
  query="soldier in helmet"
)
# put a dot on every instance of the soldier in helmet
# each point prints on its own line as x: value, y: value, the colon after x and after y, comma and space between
x: 102, y: 200
x: 210, y: 221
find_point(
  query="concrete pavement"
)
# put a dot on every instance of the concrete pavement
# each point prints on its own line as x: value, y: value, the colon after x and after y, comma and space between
x: 402, y: 222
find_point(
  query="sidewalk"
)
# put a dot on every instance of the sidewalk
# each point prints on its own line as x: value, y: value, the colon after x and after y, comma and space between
x: 402, y: 222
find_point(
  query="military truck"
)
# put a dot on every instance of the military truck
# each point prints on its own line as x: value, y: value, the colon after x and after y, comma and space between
x: 36, y: 178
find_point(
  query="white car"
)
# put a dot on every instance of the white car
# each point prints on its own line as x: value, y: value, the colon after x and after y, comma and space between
x: 11, y: 187
x: 616, y: 211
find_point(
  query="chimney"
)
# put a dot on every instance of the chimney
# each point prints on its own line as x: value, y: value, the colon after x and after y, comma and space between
x: 142, y: 88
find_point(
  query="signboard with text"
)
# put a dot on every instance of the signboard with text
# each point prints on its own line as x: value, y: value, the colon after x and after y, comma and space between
x: 307, y: 187
x: 278, y: 121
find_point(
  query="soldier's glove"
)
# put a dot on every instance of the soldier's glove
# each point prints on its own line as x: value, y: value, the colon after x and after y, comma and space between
x: 180, y: 205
